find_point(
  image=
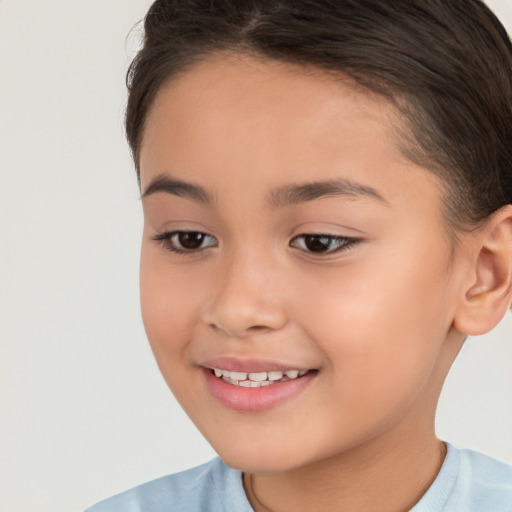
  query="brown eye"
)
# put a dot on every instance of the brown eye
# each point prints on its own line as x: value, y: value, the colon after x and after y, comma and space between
x: 190, y: 239
x: 319, y: 243
x: 185, y: 241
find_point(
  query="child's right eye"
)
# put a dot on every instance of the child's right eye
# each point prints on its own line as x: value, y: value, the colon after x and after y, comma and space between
x: 185, y: 241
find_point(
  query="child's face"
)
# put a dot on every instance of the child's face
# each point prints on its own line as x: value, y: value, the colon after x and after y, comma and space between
x: 369, y: 308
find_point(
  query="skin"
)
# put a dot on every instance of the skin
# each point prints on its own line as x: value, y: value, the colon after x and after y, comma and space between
x: 381, y: 321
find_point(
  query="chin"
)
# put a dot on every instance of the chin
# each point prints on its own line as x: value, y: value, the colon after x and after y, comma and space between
x: 257, y: 464
x: 260, y: 457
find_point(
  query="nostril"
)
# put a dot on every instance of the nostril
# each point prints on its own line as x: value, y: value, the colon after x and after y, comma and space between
x: 237, y: 316
x: 258, y: 328
x: 233, y: 333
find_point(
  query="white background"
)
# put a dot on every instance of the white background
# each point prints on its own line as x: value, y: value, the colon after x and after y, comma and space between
x: 84, y: 411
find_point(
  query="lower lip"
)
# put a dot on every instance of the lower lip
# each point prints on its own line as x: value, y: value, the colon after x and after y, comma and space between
x: 259, y: 399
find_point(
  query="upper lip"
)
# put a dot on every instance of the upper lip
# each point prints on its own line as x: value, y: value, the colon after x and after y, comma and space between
x: 237, y: 364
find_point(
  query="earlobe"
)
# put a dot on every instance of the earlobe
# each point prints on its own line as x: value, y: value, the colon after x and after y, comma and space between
x: 489, y: 294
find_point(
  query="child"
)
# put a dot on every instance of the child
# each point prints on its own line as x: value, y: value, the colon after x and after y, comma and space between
x: 327, y: 191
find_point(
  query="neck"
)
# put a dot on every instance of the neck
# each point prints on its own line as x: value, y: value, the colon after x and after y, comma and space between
x: 384, y: 476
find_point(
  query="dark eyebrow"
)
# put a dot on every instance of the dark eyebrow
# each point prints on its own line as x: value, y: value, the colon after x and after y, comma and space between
x: 168, y: 185
x: 301, y: 193
x: 282, y: 196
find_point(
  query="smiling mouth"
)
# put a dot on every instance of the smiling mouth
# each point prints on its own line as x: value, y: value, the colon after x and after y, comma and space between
x: 258, y: 379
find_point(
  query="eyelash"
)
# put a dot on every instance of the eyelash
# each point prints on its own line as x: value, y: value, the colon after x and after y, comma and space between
x: 342, y: 243
x: 170, y: 240
x: 167, y: 239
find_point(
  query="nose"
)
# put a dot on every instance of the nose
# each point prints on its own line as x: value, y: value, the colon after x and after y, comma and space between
x: 247, y: 299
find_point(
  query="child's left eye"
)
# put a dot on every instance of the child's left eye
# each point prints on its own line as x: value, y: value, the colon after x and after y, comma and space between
x: 323, y: 244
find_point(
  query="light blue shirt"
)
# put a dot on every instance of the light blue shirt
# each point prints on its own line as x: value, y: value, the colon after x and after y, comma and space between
x: 468, y: 482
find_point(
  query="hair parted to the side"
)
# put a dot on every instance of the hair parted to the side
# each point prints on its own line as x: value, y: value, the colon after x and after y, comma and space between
x: 445, y: 64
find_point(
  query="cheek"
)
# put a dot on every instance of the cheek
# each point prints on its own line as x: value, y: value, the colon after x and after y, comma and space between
x: 381, y: 325
x: 373, y: 298
x: 169, y: 303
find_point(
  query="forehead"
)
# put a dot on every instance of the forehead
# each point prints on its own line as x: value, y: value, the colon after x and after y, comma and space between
x: 242, y: 123
x: 247, y: 98
x: 238, y: 76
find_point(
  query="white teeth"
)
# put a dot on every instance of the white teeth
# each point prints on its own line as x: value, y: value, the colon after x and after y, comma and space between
x: 231, y: 375
x: 237, y: 375
x: 251, y: 384
x: 258, y: 376
x: 257, y: 379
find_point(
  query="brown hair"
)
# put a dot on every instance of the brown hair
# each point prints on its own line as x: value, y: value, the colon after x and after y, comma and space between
x: 445, y: 64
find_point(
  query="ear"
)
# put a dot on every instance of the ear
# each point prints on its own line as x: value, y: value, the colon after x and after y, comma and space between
x: 489, y: 292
